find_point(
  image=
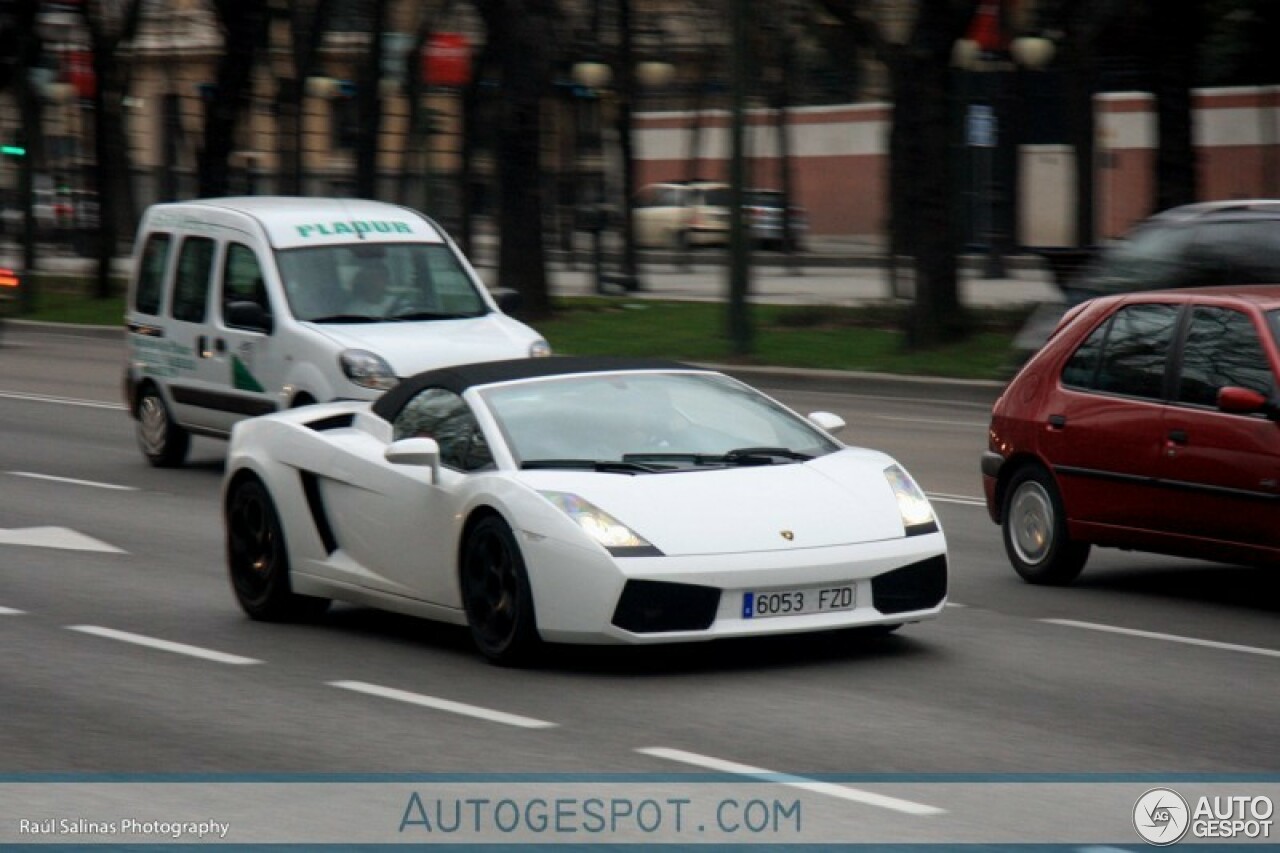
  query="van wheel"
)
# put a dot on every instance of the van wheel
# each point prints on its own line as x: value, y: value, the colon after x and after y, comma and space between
x: 163, y: 442
x: 1034, y: 525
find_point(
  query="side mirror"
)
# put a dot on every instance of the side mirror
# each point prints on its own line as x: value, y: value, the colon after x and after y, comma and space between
x: 1240, y: 401
x: 827, y: 421
x: 509, y: 301
x: 248, y: 315
x: 423, y: 452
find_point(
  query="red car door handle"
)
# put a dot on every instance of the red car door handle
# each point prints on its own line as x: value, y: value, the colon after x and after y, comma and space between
x: 1057, y: 421
x: 1178, y: 436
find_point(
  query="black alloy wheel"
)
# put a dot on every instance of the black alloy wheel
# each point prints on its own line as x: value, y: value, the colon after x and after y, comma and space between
x: 258, y: 559
x: 496, y: 594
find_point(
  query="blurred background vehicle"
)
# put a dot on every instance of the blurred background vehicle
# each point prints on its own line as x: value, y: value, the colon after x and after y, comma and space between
x: 765, y: 218
x: 682, y: 215
x: 1194, y: 245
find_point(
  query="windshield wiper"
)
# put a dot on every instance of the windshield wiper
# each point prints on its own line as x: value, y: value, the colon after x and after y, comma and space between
x: 763, y: 455
x: 431, y: 315
x: 610, y: 466
x: 738, y: 456
x: 348, y: 318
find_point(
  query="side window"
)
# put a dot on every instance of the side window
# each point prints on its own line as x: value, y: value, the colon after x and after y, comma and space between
x: 1222, y: 349
x: 1081, y: 370
x: 1126, y: 354
x: 242, y: 278
x: 191, y: 284
x: 1136, y: 351
x: 151, y: 270
x: 445, y: 416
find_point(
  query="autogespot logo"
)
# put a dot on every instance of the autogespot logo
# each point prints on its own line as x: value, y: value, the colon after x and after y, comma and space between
x: 1161, y: 816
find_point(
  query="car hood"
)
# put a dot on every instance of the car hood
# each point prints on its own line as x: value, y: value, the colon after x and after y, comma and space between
x: 839, y: 499
x: 413, y: 347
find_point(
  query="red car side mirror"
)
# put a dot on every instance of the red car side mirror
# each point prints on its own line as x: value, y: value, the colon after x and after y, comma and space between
x: 1240, y: 401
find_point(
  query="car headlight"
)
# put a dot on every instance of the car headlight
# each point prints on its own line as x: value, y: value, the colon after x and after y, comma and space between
x: 616, y: 537
x: 367, y: 369
x: 539, y: 349
x: 917, y: 514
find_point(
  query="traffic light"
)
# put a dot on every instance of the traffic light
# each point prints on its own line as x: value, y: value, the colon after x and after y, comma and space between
x: 13, y: 151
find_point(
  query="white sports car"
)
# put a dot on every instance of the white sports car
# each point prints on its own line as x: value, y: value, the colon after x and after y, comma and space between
x: 578, y: 500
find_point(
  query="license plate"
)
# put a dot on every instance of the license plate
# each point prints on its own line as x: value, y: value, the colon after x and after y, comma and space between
x: 797, y: 602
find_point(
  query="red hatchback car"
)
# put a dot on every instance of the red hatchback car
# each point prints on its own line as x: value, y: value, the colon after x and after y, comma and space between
x: 1148, y: 421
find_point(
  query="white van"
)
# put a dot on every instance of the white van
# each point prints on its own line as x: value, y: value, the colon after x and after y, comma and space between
x: 242, y: 306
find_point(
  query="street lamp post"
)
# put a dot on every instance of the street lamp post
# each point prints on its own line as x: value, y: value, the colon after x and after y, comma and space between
x: 985, y: 130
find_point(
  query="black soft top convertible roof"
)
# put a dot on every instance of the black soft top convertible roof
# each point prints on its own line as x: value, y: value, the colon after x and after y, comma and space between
x: 461, y: 377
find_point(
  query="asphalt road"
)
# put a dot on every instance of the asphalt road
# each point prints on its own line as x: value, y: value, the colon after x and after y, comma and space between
x: 1148, y: 665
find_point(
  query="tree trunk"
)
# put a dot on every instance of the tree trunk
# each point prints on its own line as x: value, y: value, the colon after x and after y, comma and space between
x: 243, y: 25
x: 520, y: 32
x: 937, y: 316
x: 1176, y: 31
x: 369, y: 107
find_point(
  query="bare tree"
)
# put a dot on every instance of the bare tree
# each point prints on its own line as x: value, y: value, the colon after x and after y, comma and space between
x: 520, y: 33
x: 308, y: 22
x: 110, y: 23
x: 244, y: 30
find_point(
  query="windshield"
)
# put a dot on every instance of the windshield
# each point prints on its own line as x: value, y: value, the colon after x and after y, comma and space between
x: 640, y: 422
x: 377, y: 282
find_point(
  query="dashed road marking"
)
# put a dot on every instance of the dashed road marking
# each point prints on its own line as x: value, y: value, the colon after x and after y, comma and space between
x: 9, y: 611
x: 964, y: 500
x: 72, y: 481
x: 447, y: 705
x: 63, y: 401
x: 1169, y: 638
x: 55, y: 537
x: 830, y: 789
x: 163, y: 645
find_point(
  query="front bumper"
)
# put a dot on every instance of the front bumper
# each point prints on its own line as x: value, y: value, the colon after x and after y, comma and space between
x: 643, y: 600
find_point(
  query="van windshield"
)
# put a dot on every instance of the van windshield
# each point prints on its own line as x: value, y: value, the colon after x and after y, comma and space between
x: 378, y: 282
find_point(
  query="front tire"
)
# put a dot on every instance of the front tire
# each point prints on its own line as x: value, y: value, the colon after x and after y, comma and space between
x: 258, y: 559
x: 496, y: 594
x: 163, y: 442
x: 1034, y: 527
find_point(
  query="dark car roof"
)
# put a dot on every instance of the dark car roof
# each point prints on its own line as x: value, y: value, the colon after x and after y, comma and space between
x: 461, y: 377
x: 1260, y: 208
x: 1265, y: 296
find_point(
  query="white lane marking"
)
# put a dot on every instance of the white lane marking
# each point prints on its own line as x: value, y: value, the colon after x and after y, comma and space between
x: 9, y: 611
x: 55, y: 537
x: 963, y: 500
x: 163, y: 645
x: 71, y: 481
x: 937, y: 421
x: 444, y: 705
x: 955, y: 604
x: 828, y: 788
x: 1171, y: 638
x: 62, y: 401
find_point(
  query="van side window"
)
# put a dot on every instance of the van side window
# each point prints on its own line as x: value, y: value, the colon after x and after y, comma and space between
x: 155, y: 255
x: 242, y: 278
x: 191, y: 285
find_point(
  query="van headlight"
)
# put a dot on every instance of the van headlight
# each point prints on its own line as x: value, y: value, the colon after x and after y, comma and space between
x: 539, y: 349
x: 917, y: 513
x: 366, y: 369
